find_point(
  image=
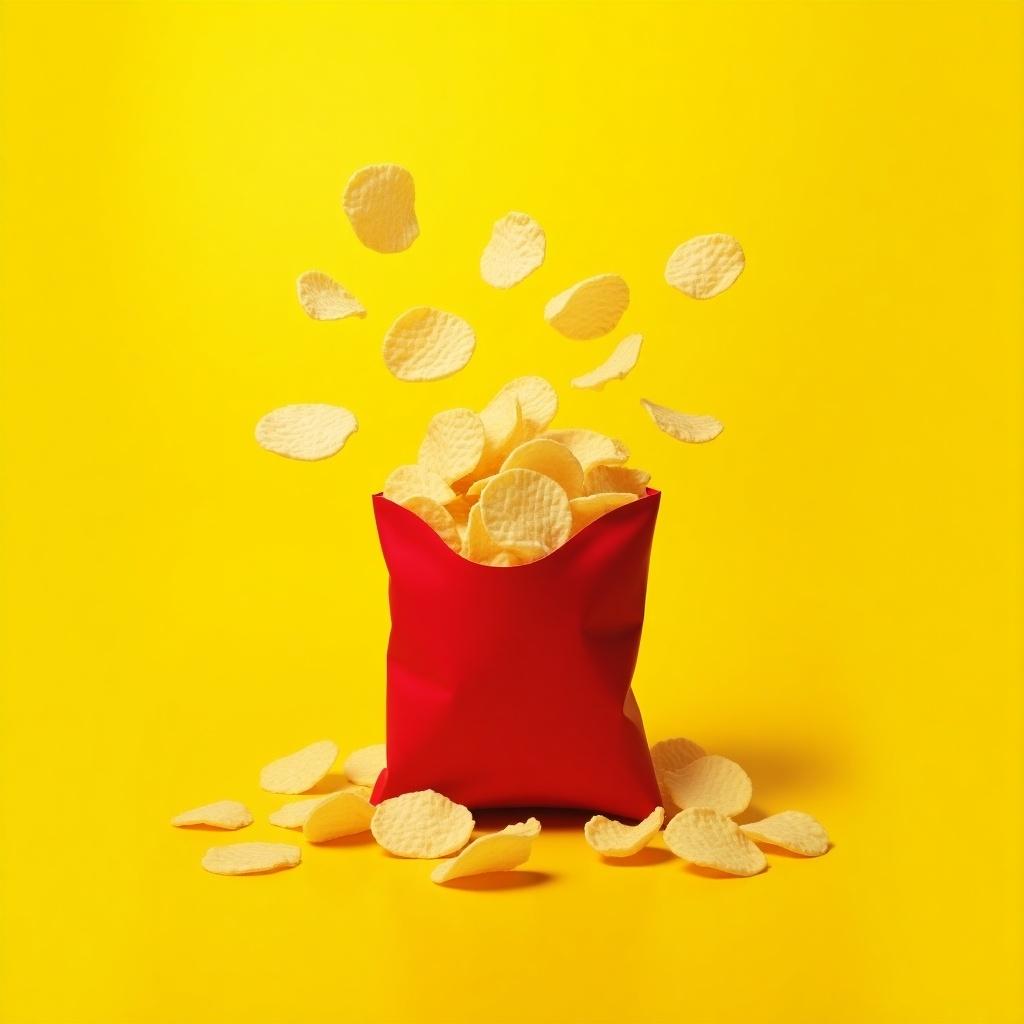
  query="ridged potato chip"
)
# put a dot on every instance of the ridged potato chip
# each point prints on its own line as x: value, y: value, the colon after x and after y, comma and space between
x: 705, y: 266
x: 438, y: 518
x: 682, y: 426
x: 711, y: 781
x: 364, y: 765
x: 790, y: 830
x: 590, y: 508
x: 250, y: 858
x: 502, y: 418
x: 538, y: 402
x: 515, y: 251
x: 453, y: 444
x: 380, y: 202
x: 553, y: 460
x: 306, y: 432
x: 427, y: 344
x: 323, y: 298
x: 711, y: 840
x: 229, y: 814
x: 615, y: 367
x: 613, y: 839
x: 417, y: 482
x: 617, y: 479
x: 589, y: 309
x: 523, y: 510
x: 477, y: 544
x: 590, y: 448
x: 294, y: 814
x: 423, y: 824
x: 678, y: 752
x: 295, y: 773
x: 499, y: 851
x: 340, y: 814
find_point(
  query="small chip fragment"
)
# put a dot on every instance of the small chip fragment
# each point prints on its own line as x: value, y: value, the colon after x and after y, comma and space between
x: 523, y: 510
x: 453, y: 444
x: 529, y: 828
x: 711, y: 840
x: 364, y: 765
x: 423, y: 824
x: 613, y: 839
x: 438, y: 518
x: 380, y: 202
x: 515, y: 251
x: 416, y: 482
x: 229, y: 814
x: 590, y: 508
x: 681, y: 426
x: 615, y: 367
x: 340, y: 814
x: 306, y: 432
x: 300, y: 771
x: 591, y: 448
x: 601, y: 479
x: 589, y: 309
x: 323, y: 298
x: 551, y: 458
x: 791, y: 830
x: 670, y: 755
x: 537, y: 399
x: 705, y: 266
x: 250, y: 858
x: 498, y: 851
x: 427, y: 344
x: 711, y: 781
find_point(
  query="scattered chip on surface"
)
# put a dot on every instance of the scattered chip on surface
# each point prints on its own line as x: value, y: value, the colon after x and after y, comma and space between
x: 524, y: 511
x: 498, y: 851
x: 590, y: 508
x: 669, y: 755
x: 681, y: 426
x: 705, y: 266
x: 551, y: 458
x: 380, y: 202
x: 515, y: 251
x: 712, y: 782
x: 306, y: 432
x: 300, y: 771
x: 250, y: 858
x: 340, y: 814
x: 618, y: 479
x: 416, y: 482
x: 323, y: 298
x: 427, y: 344
x: 711, y: 840
x: 438, y: 518
x: 790, y: 830
x: 294, y: 814
x: 538, y: 401
x: 364, y: 765
x: 613, y: 839
x: 615, y: 367
x: 423, y: 824
x: 589, y: 309
x: 453, y: 444
x: 591, y: 448
x: 229, y: 814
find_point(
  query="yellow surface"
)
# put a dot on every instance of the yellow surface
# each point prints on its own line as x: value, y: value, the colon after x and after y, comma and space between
x: 835, y: 589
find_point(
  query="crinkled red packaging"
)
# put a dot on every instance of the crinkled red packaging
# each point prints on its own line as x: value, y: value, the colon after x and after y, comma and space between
x: 511, y: 686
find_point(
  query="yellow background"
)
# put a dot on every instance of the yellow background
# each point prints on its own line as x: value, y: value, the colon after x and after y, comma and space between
x: 835, y: 589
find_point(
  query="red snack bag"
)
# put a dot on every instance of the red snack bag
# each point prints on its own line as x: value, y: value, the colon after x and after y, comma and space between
x: 510, y: 686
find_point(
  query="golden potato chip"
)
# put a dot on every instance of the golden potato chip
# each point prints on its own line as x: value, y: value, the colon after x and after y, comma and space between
x: 590, y: 308
x: 427, y: 344
x: 504, y: 559
x: 476, y: 488
x: 250, y: 858
x: 538, y: 402
x: 300, y: 771
x: 515, y: 251
x: 587, y: 509
x: 618, y: 479
x: 498, y: 851
x: 453, y: 444
x: 669, y: 755
x: 529, y: 828
x: 502, y: 418
x: 417, y: 482
x: 424, y: 824
x: 364, y: 765
x: 477, y: 544
x: 711, y: 781
x: 711, y: 840
x: 591, y: 448
x: 306, y: 432
x: 522, y: 509
x: 229, y: 814
x: 340, y: 814
x: 294, y: 814
x: 550, y: 458
x: 790, y: 830
x: 324, y: 299
x: 613, y: 839
x: 681, y: 426
x: 380, y: 202
x: 705, y: 266
x: 615, y: 367
x: 438, y: 518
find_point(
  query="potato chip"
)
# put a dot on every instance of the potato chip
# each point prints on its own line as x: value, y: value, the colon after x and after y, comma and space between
x: 306, y: 432
x: 515, y: 251
x: 790, y: 830
x: 615, y: 367
x: 438, y: 518
x: 523, y: 510
x: 423, y: 824
x: 476, y: 488
x: 453, y: 444
x: 550, y: 458
x: 505, y: 559
x: 705, y: 266
x: 229, y: 814
x: 670, y: 755
x: 340, y: 814
x: 590, y: 508
x: 250, y: 858
x: 618, y: 479
x: 591, y: 448
x: 498, y: 851
x: 711, y: 781
x: 502, y: 418
x: 300, y: 771
x: 294, y: 814
x: 711, y: 840
x: 364, y: 765
x: 681, y: 426
x: 477, y: 544
x: 529, y: 828
x: 380, y: 202
x: 538, y: 402
x: 589, y: 309
x: 324, y: 299
x: 417, y: 482
x: 427, y: 344
x: 613, y: 839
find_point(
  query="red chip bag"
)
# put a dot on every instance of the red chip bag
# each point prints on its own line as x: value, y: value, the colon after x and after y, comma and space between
x: 510, y: 686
